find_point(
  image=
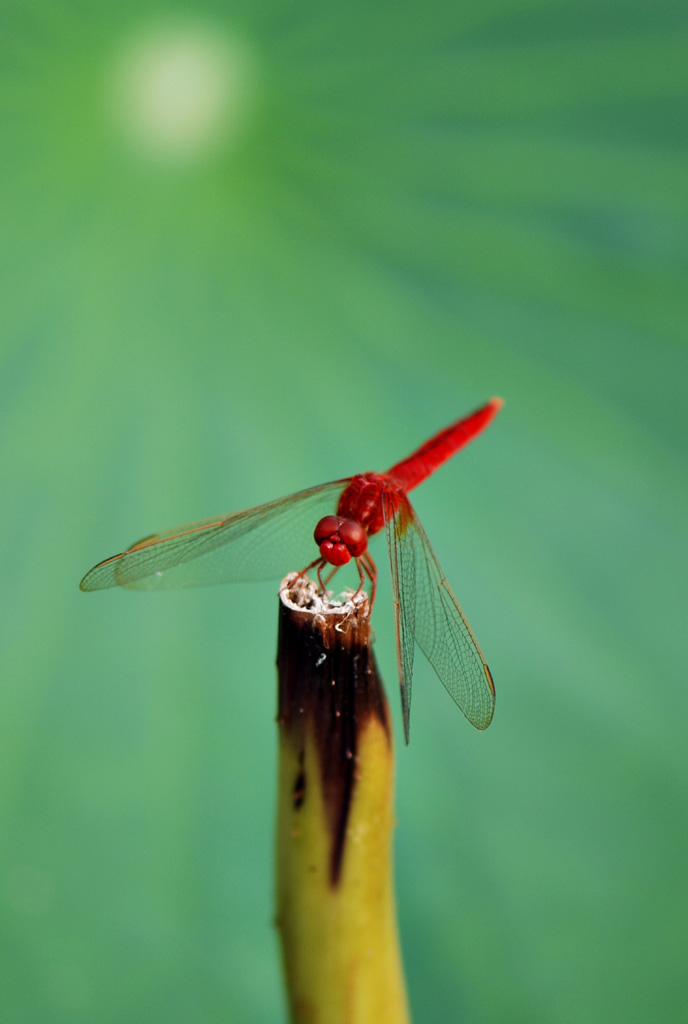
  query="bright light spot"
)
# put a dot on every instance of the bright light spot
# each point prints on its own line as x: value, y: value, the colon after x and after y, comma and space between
x: 181, y: 92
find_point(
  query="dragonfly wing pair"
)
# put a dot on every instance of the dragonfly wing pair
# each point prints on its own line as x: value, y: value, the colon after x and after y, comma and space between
x: 258, y: 544
x: 427, y: 612
x: 253, y: 545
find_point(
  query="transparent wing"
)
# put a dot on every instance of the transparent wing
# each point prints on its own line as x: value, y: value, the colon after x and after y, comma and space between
x: 259, y: 543
x: 402, y: 560
x: 427, y: 611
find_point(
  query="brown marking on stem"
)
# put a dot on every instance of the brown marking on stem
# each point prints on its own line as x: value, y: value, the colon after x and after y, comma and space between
x: 329, y: 687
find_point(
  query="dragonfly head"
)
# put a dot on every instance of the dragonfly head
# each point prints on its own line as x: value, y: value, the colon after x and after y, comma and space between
x: 339, y: 539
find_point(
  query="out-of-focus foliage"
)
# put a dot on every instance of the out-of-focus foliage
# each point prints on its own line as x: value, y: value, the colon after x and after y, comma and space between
x: 249, y: 247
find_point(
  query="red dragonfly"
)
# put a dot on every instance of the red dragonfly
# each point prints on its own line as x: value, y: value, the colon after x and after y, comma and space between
x: 261, y: 543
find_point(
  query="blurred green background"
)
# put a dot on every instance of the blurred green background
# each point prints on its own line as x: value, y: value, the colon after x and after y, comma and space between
x: 250, y: 247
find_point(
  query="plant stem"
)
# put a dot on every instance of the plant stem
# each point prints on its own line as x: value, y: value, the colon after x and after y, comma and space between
x: 335, y: 901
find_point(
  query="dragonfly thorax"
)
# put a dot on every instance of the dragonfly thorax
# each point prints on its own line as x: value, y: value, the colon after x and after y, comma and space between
x: 370, y: 499
x: 340, y: 539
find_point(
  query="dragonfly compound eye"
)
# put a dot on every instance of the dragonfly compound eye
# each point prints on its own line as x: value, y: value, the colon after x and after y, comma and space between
x: 339, y: 539
x: 325, y: 528
x: 354, y: 536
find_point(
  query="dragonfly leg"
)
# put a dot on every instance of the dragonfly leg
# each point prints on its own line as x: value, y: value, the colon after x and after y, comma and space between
x: 331, y: 573
x: 323, y: 586
x: 361, y: 576
x: 365, y: 564
x: 372, y: 572
x: 320, y: 562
